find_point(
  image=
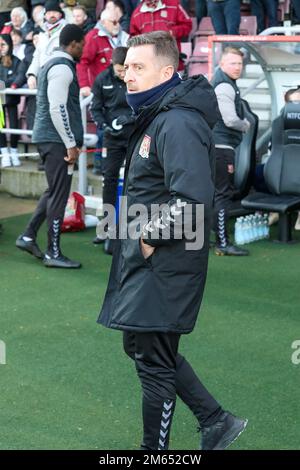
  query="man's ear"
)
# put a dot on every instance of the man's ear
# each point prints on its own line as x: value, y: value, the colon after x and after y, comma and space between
x: 168, y: 72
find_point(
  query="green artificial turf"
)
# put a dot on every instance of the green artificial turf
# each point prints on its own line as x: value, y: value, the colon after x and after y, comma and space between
x: 68, y: 385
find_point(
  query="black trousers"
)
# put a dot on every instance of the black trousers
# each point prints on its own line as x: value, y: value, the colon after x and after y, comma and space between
x: 111, y: 165
x: 224, y: 188
x: 52, y: 203
x: 12, y: 112
x: 164, y: 374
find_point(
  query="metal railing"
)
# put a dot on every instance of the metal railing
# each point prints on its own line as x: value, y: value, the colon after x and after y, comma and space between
x: 90, y: 140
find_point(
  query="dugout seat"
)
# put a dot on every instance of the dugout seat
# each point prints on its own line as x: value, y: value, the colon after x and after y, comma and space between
x: 282, y: 172
x: 245, y: 155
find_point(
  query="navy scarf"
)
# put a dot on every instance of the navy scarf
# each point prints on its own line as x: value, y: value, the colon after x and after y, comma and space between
x: 146, y: 98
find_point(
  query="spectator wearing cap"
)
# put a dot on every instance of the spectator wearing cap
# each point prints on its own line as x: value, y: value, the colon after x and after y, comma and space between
x: 99, y: 44
x: 161, y: 15
x: 48, y: 41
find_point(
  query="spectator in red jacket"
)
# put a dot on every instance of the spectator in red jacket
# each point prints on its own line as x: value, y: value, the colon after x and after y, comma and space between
x: 161, y: 15
x: 99, y: 44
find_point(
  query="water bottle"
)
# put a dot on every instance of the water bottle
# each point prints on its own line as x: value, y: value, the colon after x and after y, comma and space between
x: 238, y: 231
x: 266, y: 226
x: 255, y: 222
x: 252, y: 227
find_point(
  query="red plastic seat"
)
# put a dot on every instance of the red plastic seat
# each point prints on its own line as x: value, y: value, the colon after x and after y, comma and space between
x: 248, y: 25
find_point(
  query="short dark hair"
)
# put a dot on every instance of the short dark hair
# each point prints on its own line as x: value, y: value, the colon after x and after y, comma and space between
x: 70, y: 32
x: 119, y: 55
x: 16, y: 31
x: 290, y: 92
x: 163, y: 42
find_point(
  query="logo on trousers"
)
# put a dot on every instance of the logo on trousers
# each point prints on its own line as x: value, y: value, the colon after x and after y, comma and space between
x: 296, y: 354
x: 2, y: 353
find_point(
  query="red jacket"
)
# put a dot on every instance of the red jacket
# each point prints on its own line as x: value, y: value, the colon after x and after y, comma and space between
x: 171, y: 18
x: 96, y: 56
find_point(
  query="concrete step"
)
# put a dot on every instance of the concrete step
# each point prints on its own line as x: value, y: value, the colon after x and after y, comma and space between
x: 27, y: 181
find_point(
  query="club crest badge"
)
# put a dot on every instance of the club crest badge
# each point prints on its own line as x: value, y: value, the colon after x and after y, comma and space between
x: 145, y: 147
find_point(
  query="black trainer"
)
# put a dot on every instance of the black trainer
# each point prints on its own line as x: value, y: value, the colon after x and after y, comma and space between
x: 60, y: 262
x: 98, y: 241
x: 224, y: 432
x: 30, y: 246
x: 230, y: 250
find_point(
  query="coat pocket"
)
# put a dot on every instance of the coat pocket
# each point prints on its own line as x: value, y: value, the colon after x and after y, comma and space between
x: 132, y: 259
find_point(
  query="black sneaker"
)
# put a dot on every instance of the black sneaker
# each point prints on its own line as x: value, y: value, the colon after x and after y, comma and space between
x: 60, y: 262
x: 224, y: 432
x: 30, y: 246
x: 230, y: 250
x: 98, y: 241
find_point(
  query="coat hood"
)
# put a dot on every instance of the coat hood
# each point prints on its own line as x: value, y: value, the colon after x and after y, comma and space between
x: 194, y: 93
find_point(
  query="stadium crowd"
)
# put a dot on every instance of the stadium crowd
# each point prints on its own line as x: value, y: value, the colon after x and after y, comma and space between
x: 30, y: 32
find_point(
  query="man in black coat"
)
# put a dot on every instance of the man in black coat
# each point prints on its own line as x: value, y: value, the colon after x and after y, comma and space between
x: 157, y: 278
x: 112, y: 114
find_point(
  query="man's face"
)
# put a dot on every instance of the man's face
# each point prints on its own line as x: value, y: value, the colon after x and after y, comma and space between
x: 52, y: 16
x: 38, y: 13
x: 76, y: 50
x: 232, y: 65
x: 16, y: 19
x: 112, y: 25
x: 143, y: 70
x: 295, y: 96
x: 119, y: 71
x: 79, y: 17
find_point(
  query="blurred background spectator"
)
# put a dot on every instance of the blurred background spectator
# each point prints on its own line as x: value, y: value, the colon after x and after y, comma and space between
x: 99, y: 44
x: 81, y: 19
x: 6, y: 7
x: 10, y: 75
x: 158, y: 15
x: 225, y: 15
x: 265, y: 12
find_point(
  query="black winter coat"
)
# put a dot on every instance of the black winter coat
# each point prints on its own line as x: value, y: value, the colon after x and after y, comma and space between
x: 10, y: 75
x: 109, y: 102
x: 170, y: 158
